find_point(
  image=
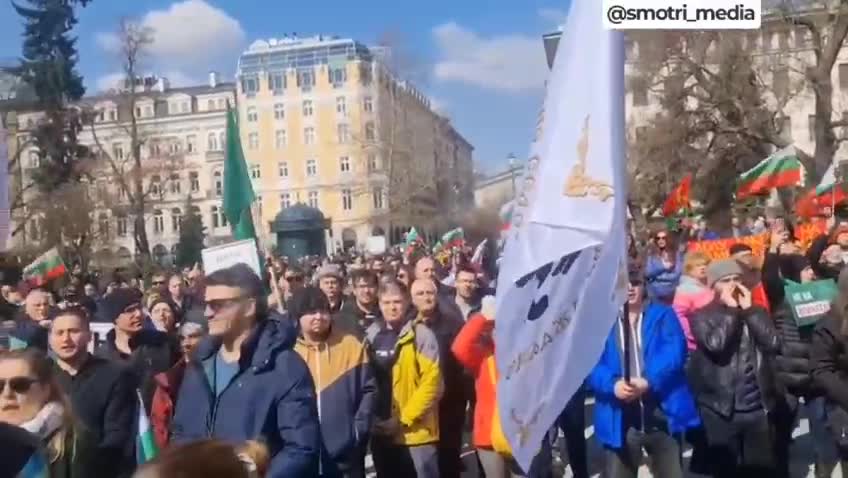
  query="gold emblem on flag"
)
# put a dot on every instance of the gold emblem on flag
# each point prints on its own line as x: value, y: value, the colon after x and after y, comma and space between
x: 524, y: 428
x: 578, y: 184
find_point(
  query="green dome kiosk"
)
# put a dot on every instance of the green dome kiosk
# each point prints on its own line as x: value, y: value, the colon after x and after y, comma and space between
x: 300, y: 231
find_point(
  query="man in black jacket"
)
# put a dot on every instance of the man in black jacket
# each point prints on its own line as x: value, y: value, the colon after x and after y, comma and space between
x: 101, y: 392
x: 731, y: 376
x: 145, y: 352
x: 357, y: 314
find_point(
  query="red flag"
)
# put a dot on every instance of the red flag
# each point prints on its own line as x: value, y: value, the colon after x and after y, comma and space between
x: 679, y: 198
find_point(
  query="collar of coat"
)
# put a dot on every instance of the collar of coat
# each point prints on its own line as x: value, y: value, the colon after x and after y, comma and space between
x: 268, y: 338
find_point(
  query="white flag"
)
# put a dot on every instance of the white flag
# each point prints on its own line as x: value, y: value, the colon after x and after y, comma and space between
x: 563, y: 274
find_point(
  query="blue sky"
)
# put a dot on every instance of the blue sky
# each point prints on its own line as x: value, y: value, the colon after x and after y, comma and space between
x: 481, y: 62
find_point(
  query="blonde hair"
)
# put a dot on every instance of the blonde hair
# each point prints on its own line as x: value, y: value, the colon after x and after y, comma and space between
x: 42, y: 368
x: 693, y: 260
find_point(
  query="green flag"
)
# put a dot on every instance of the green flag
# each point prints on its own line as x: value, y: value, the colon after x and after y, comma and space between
x: 238, y: 190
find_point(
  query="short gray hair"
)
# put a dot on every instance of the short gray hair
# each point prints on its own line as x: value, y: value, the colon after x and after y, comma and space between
x: 190, y: 328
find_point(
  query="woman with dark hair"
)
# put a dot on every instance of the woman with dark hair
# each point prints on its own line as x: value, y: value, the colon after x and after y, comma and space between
x: 30, y: 398
x: 663, y: 268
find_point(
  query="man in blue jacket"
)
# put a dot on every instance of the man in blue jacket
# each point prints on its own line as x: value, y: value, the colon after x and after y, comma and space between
x: 246, y: 382
x: 652, y: 409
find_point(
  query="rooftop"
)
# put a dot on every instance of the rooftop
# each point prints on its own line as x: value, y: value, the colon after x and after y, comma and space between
x: 276, y: 54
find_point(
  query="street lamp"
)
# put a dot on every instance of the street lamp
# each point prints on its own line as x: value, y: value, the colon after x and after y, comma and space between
x: 511, y: 160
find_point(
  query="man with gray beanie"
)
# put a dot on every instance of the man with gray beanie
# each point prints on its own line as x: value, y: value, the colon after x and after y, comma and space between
x: 731, y: 376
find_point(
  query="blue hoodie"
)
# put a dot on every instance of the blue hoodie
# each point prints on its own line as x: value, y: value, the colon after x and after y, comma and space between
x: 664, y: 354
x: 271, y: 399
x: 660, y: 281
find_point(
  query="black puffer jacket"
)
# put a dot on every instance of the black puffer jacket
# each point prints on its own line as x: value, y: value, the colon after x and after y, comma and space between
x: 792, y: 364
x: 714, y: 370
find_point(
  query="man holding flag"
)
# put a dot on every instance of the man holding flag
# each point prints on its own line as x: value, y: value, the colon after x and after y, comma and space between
x: 562, y: 280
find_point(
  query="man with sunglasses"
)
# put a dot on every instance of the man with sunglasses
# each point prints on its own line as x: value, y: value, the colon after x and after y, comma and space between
x: 731, y: 375
x: 146, y: 352
x: 246, y: 382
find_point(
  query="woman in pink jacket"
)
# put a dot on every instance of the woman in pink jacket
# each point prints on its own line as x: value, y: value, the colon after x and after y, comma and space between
x: 693, y: 292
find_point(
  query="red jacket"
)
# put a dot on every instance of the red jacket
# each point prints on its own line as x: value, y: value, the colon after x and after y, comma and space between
x: 165, y: 402
x: 474, y: 349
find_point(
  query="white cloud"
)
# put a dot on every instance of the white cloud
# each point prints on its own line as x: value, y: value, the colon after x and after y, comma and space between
x: 439, y: 105
x: 553, y: 15
x: 190, y: 38
x: 109, y: 81
x: 512, y: 62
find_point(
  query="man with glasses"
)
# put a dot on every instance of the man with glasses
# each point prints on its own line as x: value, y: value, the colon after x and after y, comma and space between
x: 146, y: 352
x: 246, y: 382
x: 358, y: 314
x: 102, y: 393
x: 731, y: 376
x: 467, y: 292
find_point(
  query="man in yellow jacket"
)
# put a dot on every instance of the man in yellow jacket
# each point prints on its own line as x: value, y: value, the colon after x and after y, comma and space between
x: 405, y: 355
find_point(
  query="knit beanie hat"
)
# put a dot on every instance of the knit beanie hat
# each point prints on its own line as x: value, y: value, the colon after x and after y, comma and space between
x: 117, y: 302
x: 720, y: 269
x: 791, y: 266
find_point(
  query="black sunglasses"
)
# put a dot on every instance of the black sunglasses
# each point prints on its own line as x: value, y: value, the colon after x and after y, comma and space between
x: 294, y: 278
x: 159, y: 282
x: 217, y: 305
x: 19, y: 385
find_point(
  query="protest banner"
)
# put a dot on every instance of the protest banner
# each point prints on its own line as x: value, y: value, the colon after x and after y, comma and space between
x: 226, y: 255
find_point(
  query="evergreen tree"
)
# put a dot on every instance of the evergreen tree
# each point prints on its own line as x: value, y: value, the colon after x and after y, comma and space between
x: 192, y: 234
x: 49, y: 66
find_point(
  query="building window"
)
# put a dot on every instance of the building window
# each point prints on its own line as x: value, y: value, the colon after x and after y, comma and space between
x: 210, y: 105
x: 118, y: 151
x: 176, y: 186
x: 216, y: 220
x: 103, y: 225
x: 191, y: 143
x: 368, y: 104
x: 174, y: 147
x: 121, y: 226
x: 307, y: 108
x: 780, y: 82
x: 283, y: 169
x: 158, y: 222
x: 113, y: 115
x: 252, y: 115
x: 311, y: 167
x: 640, y: 95
x: 155, y: 186
x: 222, y: 140
x: 279, y: 111
x: 312, y: 199
x: 184, y: 107
x: 176, y: 219
x: 377, y: 195
x: 212, y: 142
x: 347, y: 200
x: 194, y: 181
x: 370, y: 135
x: 344, y: 164
x: 222, y: 103
x: 811, y: 127
x: 255, y: 171
x: 306, y: 79
x: 341, y: 106
x: 253, y: 141
x: 277, y: 82
x: 280, y: 139
x: 34, y: 160
x: 343, y: 133
x: 285, y: 200
x: 338, y: 76
x: 309, y: 135
x: 148, y: 111
x: 250, y: 85
x: 373, y: 165
x: 219, y: 183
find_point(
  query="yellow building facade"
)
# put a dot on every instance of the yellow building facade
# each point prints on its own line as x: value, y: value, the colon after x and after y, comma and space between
x: 315, y: 124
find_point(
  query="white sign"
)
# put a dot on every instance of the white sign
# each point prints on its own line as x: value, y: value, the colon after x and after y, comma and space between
x: 562, y: 280
x: 375, y: 245
x: 227, y: 255
x: 99, y: 331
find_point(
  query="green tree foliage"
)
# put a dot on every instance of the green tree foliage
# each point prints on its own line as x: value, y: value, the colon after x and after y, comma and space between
x: 192, y: 234
x: 49, y: 66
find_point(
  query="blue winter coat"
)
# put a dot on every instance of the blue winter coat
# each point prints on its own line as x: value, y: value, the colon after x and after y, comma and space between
x: 661, y: 282
x: 271, y: 399
x: 664, y: 356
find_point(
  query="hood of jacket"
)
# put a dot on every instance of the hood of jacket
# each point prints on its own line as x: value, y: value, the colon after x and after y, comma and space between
x: 268, y: 337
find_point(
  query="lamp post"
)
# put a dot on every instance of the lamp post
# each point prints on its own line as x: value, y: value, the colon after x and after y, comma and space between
x: 511, y: 159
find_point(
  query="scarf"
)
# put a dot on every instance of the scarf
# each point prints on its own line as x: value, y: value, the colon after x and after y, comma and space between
x: 46, y: 421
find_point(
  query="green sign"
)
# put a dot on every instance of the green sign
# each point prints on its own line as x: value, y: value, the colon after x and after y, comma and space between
x: 811, y: 301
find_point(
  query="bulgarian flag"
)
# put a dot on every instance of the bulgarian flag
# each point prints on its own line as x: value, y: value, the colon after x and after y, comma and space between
x: 506, y: 215
x: 45, y: 268
x: 410, y: 241
x: 825, y: 195
x: 146, y: 449
x: 781, y: 169
x: 678, y: 200
x: 453, y: 238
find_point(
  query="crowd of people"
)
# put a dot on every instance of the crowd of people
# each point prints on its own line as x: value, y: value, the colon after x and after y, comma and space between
x: 306, y: 371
